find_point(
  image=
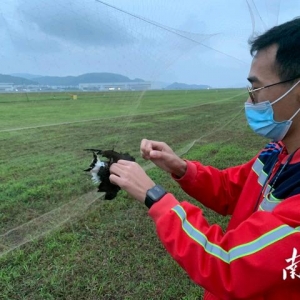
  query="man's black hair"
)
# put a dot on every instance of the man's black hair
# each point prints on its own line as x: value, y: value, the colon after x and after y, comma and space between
x: 287, y: 37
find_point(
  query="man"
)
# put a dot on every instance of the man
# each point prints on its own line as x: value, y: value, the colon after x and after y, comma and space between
x: 258, y: 255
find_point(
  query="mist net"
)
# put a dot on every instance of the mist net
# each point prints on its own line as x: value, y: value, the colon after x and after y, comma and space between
x: 104, y: 75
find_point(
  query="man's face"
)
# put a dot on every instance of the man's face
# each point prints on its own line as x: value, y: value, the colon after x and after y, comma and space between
x: 263, y: 72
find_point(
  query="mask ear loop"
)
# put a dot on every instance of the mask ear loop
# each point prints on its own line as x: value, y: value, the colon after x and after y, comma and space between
x: 292, y: 117
x: 286, y: 93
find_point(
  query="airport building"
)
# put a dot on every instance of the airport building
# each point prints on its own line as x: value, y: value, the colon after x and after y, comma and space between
x: 116, y: 86
x: 6, y: 87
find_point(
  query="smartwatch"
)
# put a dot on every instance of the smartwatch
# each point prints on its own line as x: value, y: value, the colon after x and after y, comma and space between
x: 154, y: 194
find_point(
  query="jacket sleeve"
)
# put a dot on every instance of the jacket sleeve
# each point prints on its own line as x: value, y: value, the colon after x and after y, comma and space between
x: 241, y: 263
x: 217, y: 189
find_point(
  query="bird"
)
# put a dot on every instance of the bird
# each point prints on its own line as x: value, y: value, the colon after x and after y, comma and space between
x: 99, y: 170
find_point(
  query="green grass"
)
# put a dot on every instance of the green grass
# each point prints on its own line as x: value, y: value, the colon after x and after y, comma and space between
x: 18, y: 110
x: 106, y: 249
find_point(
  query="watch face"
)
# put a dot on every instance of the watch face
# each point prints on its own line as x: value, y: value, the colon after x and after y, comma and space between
x: 154, y: 194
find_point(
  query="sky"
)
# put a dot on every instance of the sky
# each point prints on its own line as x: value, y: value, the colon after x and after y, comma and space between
x: 191, y: 41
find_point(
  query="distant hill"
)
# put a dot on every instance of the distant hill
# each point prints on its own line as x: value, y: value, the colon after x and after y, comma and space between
x: 30, y: 79
x: 25, y: 75
x: 184, y: 86
x: 15, y: 80
x: 85, y: 78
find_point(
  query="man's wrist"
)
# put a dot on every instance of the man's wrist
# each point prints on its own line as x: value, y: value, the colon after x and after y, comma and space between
x: 154, y: 195
x: 181, y: 170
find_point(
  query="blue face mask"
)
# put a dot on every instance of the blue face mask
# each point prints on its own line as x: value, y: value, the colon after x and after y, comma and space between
x: 260, y: 118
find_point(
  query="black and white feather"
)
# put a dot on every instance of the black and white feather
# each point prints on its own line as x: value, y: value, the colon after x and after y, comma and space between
x: 99, y: 170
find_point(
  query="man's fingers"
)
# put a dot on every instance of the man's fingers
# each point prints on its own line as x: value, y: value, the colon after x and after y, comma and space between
x: 148, y: 146
x: 145, y: 148
x: 143, y: 144
x: 121, y: 179
x: 122, y: 168
x: 117, y: 169
x: 115, y: 179
x: 156, y: 154
x: 125, y: 162
x: 159, y: 146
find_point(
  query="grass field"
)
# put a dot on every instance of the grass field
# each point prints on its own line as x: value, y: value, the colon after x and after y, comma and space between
x: 97, y: 249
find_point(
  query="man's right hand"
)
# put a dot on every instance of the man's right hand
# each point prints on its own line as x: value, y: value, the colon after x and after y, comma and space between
x: 163, y: 157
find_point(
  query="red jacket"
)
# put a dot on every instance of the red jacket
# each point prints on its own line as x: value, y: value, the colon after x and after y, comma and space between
x: 253, y: 258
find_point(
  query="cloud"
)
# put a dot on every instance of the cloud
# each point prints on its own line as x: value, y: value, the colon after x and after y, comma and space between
x: 21, y: 36
x: 33, y: 45
x: 77, y: 22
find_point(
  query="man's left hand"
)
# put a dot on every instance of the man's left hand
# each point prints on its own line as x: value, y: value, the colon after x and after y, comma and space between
x: 131, y: 177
